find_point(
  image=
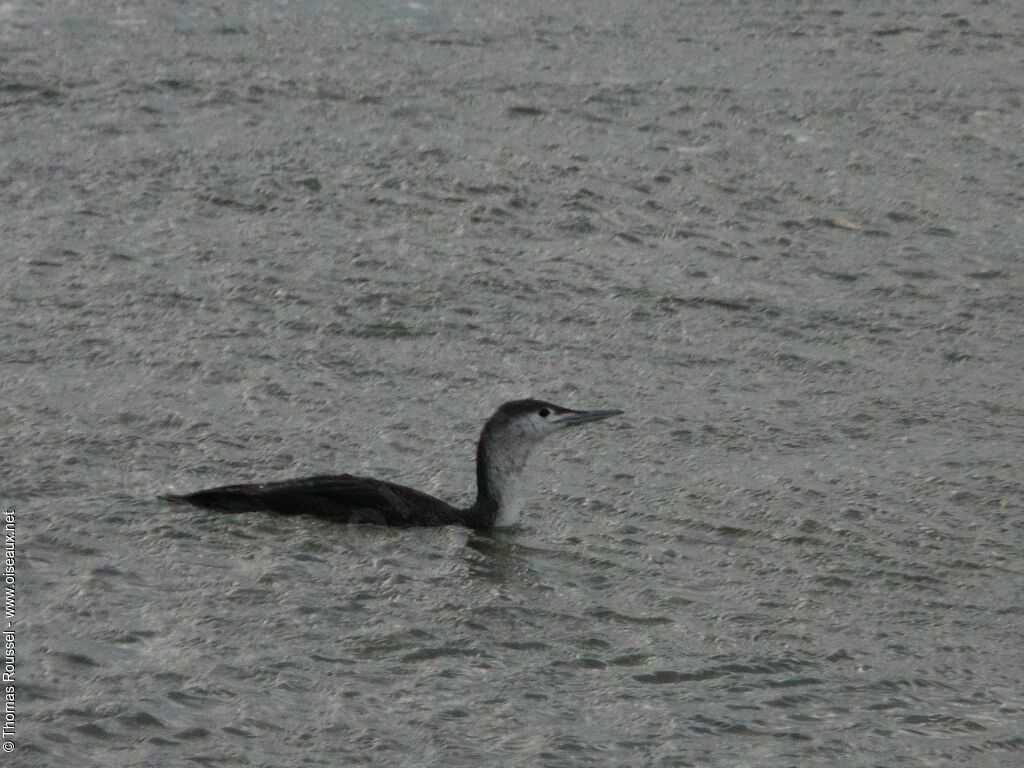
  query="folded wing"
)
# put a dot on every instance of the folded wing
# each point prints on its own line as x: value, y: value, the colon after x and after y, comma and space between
x: 342, y: 498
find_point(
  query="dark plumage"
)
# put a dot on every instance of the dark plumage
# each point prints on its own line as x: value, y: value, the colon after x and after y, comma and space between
x: 505, y: 443
x: 342, y: 498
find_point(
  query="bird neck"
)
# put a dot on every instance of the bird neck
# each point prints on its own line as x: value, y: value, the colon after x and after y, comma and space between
x: 499, y: 470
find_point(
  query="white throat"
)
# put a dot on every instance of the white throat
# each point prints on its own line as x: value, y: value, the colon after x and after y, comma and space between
x: 506, y: 464
x: 509, y: 504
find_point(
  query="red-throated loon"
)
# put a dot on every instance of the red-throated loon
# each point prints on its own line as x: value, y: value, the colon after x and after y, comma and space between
x: 506, y: 442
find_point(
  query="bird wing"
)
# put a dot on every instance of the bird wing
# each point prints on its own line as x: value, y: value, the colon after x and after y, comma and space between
x: 343, y: 498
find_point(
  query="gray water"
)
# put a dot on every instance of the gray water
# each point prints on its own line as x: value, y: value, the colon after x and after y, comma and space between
x: 246, y: 244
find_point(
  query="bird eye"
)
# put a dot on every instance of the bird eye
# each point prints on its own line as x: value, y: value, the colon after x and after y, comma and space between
x: 543, y: 413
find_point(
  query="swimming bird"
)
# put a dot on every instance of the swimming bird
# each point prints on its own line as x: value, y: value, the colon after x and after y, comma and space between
x: 506, y: 442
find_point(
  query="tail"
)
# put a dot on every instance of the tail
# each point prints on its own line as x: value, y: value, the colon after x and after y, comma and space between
x: 227, y: 499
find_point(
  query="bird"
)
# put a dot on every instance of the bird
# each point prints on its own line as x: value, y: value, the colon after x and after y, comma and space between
x: 506, y: 442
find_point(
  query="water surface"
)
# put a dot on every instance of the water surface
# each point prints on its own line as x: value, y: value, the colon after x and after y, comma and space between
x: 259, y: 243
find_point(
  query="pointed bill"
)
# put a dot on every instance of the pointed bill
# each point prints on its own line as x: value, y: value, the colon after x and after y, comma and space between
x: 582, y: 417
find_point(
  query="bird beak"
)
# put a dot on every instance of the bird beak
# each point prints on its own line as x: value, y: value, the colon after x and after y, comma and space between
x: 570, y: 418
